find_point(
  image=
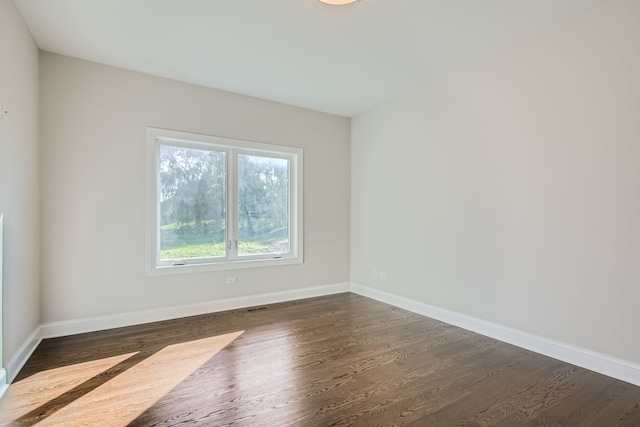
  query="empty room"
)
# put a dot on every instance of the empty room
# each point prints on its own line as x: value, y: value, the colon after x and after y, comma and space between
x: 319, y: 213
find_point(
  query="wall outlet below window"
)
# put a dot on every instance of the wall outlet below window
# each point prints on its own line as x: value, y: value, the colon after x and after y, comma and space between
x: 232, y: 280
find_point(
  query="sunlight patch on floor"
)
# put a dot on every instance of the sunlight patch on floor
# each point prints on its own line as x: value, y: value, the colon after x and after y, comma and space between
x: 121, y: 399
x: 30, y: 393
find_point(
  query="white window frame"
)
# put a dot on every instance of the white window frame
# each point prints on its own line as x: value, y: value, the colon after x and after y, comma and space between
x: 232, y: 147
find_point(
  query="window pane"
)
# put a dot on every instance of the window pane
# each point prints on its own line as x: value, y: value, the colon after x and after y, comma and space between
x: 192, y: 203
x: 263, y: 205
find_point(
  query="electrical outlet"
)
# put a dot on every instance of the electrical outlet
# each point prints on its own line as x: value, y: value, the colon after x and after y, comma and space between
x: 375, y: 273
x: 232, y: 280
x: 382, y: 275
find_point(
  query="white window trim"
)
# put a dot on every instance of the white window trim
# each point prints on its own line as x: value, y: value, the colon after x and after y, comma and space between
x: 156, y: 136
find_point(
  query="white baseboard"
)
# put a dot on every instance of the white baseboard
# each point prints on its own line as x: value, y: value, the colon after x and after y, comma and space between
x: 4, y: 385
x: 604, y: 364
x: 79, y: 326
x: 22, y: 355
x: 601, y: 363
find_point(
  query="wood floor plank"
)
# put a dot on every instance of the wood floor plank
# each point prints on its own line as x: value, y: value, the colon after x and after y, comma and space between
x: 336, y: 360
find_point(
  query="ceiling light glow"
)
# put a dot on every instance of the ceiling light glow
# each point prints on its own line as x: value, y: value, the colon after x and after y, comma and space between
x: 338, y: 2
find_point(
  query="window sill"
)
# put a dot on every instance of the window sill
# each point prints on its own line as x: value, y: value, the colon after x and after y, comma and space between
x: 222, y: 266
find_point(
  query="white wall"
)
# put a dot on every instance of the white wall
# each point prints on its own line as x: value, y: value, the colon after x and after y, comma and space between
x: 510, y: 191
x: 94, y: 202
x: 19, y: 179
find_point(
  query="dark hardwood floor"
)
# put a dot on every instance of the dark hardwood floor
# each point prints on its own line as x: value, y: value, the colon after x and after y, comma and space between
x: 337, y: 360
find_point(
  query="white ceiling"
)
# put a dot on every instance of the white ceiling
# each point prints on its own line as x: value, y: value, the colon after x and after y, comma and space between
x: 337, y: 59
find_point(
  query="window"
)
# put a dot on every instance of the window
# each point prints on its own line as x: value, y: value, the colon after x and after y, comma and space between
x: 219, y: 203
